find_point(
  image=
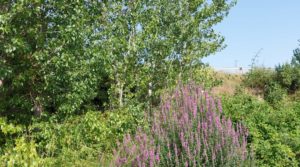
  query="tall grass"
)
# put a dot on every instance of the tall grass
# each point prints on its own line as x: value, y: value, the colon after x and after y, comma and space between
x: 188, y: 130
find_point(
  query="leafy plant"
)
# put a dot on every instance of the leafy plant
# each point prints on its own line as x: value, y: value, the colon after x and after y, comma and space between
x: 288, y: 76
x: 189, y: 130
x: 88, y: 135
x: 258, y: 78
x: 272, y: 132
x: 274, y: 94
x: 54, y: 55
x: 22, y: 154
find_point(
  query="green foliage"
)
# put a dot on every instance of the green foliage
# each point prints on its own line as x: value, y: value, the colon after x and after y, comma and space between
x: 60, y: 63
x: 258, y: 78
x: 204, y: 76
x: 274, y: 85
x: 9, y: 128
x: 274, y: 94
x: 54, y: 55
x: 77, y: 140
x: 8, y: 133
x: 47, y: 64
x: 296, y: 57
x: 296, y: 96
x: 288, y: 75
x: 84, y: 137
x: 188, y: 130
x: 274, y: 133
x: 23, y: 154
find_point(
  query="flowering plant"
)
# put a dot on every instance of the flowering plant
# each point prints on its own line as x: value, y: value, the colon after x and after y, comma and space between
x: 188, y: 130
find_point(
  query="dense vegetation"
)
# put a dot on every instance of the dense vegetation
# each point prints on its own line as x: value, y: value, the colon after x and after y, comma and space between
x: 273, y: 133
x: 273, y: 121
x: 189, y: 130
x: 116, y: 83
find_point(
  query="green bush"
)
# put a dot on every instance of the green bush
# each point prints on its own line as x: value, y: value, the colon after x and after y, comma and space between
x: 296, y: 96
x: 75, y: 141
x: 87, y: 136
x: 259, y: 78
x: 23, y: 154
x: 274, y: 94
x: 274, y: 133
x: 288, y: 75
x: 204, y: 76
x: 8, y: 131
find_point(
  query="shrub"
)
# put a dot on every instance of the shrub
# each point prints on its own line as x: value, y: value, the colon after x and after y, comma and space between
x: 8, y: 131
x: 274, y: 94
x: 204, y: 76
x: 257, y: 78
x: 22, y: 154
x: 288, y: 75
x: 188, y: 130
x: 75, y: 141
x: 273, y: 132
x: 296, y: 96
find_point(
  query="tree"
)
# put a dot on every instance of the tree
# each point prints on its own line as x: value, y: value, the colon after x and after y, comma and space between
x: 55, y: 54
x: 296, y: 57
x: 288, y: 74
x: 47, y: 62
x: 163, y: 41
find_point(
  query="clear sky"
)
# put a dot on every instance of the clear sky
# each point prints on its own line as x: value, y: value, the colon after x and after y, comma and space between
x: 273, y: 25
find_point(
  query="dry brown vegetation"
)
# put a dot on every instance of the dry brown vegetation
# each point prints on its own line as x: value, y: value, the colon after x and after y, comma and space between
x: 229, y: 83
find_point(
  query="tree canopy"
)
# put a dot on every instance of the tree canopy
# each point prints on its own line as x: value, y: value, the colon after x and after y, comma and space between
x: 58, y: 56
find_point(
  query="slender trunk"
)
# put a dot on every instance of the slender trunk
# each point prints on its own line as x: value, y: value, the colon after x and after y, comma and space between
x: 150, y: 89
x: 37, y: 106
x: 38, y: 109
x: 119, y: 89
x: 120, y: 94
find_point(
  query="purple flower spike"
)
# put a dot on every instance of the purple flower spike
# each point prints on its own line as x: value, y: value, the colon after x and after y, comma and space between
x: 188, y: 130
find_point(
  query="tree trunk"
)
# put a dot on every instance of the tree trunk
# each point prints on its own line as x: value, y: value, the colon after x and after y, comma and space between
x: 120, y: 94
x: 37, y: 106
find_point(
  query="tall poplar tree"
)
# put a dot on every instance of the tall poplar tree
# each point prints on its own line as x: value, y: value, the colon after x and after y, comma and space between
x: 46, y: 60
x: 56, y: 54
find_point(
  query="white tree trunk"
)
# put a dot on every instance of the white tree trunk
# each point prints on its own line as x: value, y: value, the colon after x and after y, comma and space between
x: 120, y: 87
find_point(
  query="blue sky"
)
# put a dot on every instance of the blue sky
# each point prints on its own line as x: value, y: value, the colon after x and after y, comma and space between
x: 273, y: 25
